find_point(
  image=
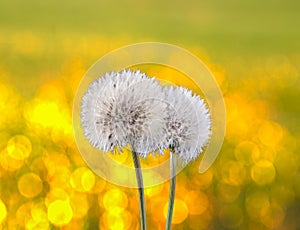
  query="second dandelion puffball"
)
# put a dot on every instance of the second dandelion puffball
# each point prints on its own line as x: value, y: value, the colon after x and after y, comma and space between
x: 187, y: 124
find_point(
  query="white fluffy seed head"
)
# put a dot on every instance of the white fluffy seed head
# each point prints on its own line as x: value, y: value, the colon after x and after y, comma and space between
x: 187, y: 128
x: 123, y: 108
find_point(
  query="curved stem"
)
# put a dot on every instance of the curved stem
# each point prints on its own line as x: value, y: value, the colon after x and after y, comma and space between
x: 139, y: 179
x: 172, y: 190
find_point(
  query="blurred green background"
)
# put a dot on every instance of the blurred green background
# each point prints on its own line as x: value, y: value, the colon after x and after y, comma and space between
x: 252, y: 48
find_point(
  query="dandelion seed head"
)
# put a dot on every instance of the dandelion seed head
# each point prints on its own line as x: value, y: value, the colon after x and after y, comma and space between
x: 187, y: 128
x: 123, y: 108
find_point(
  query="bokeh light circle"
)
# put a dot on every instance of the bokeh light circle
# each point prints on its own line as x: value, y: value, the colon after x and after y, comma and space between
x: 116, y: 200
x: 156, y: 54
x: 82, y: 179
x: 117, y: 221
x: 3, y: 211
x: 263, y: 172
x: 181, y: 211
x: 19, y: 147
x: 60, y: 212
x: 30, y: 185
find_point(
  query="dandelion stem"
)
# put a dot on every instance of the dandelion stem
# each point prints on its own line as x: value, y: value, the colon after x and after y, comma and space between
x: 172, y: 190
x: 139, y: 178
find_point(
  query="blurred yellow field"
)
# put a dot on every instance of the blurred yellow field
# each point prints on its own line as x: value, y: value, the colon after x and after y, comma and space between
x: 251, y: 48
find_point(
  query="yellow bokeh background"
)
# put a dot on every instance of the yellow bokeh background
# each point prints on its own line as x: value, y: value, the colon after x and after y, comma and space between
x: 252, y: 49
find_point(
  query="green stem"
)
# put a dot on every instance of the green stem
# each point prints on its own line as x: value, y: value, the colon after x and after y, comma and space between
x: 139, y: 179
x: 172, y: 190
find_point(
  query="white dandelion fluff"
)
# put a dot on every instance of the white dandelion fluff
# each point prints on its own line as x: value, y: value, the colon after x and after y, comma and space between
x: 187, y: 123
x: 123, y: 108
